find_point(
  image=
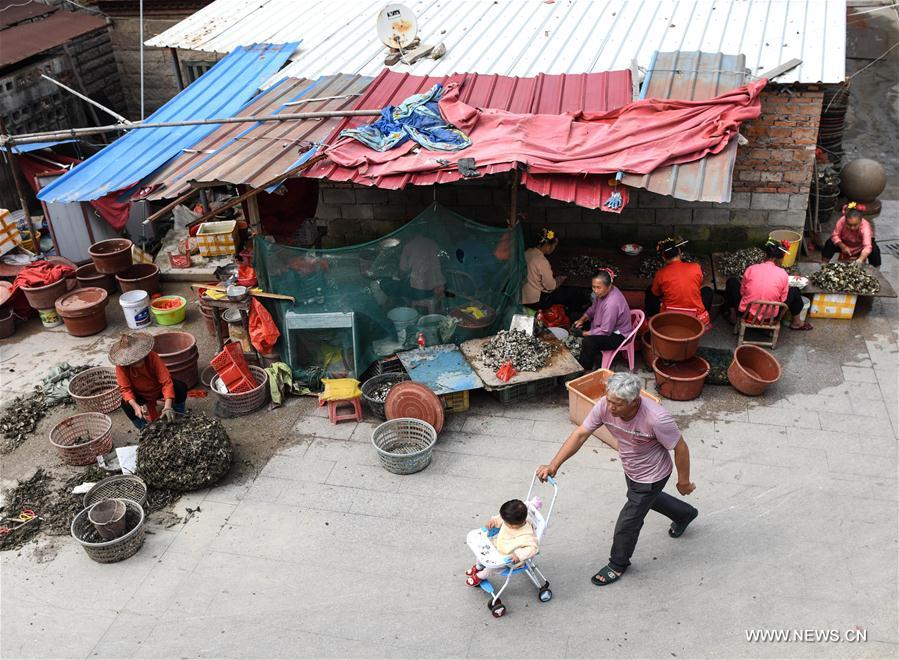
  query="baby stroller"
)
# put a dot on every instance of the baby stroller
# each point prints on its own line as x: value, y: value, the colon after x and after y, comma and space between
x: 487, y: 556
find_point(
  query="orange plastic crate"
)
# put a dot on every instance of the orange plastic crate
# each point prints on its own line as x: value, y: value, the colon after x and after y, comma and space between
x: 232, y: 368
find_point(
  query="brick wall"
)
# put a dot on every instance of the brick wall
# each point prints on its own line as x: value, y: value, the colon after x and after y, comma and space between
x: 94, y: 59
x: 771, y: 186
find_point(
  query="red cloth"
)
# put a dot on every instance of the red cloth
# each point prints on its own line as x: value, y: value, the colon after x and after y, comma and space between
x: 149, y: 378
x: 114, y: 212
x: 41, y: 273
x: 637, y: 138
x: 764, y: 281
x: 678, y: 284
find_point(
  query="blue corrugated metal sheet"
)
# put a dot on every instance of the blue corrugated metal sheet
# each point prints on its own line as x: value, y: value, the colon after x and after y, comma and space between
x: 220, y: 92
x: 34, y: 146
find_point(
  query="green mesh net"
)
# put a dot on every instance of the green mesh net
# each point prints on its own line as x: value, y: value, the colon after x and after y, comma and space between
x: 441, y: 275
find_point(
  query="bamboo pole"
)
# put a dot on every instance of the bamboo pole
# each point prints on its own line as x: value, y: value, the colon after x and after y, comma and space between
x: 168, y: 207
x: 28, y: 138
x: 8, y: 156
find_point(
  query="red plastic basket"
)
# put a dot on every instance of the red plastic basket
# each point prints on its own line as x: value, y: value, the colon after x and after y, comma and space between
x: 232, y: 368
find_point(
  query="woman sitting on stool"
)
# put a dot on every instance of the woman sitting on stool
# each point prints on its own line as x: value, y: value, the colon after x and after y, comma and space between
x: 766, y: 281
x: 678, y: 285
x: 853, y: 238
x: 609, y: 318
x: 541, y: 288
x: 144, y: 379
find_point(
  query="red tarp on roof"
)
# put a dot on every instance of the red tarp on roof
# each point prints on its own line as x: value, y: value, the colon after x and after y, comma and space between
x: 544, y: 94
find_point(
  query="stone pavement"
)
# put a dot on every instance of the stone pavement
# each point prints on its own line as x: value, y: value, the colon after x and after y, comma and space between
x: 325, y: 554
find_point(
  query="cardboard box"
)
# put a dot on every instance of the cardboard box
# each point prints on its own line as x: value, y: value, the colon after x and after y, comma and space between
x: 217, y: 239
x: 833, y: 306
x: 9, y: 233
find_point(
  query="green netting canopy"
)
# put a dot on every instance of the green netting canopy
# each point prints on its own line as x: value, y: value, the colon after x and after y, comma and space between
x: 441, y: 275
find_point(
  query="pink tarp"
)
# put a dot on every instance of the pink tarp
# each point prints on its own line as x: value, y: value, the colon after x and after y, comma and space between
x: 636, y: 138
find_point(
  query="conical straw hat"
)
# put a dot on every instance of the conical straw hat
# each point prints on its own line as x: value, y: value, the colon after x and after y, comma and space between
x: 130, y: 347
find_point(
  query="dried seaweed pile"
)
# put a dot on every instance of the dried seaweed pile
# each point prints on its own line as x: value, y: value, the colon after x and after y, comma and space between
x: 584, y: 266
x: 526, y: 353
x: 734, y: 264
x: 845, y: 277
x: 190, y: 453
x: 651, y: 264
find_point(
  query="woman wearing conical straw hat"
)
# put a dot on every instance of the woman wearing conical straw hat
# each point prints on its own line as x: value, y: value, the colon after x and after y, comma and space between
x: 144, y: 379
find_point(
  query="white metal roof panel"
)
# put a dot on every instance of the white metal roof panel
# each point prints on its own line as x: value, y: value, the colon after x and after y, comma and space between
x: 529, y: 37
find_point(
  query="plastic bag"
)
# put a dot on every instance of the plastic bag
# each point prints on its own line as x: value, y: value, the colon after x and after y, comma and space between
x: 337, y: 389
x: 264, y: 333
x: 506, y: 372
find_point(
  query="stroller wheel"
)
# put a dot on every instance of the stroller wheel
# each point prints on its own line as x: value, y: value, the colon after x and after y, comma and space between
x: 545, y: 595
x: 497, y: 609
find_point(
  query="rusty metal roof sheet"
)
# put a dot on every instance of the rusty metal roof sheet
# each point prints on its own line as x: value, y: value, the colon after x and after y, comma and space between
x: 529, y: 37
x: 254, y: 153
x: 17, y: 11
x: 25, y: 40
x: 693, y: 76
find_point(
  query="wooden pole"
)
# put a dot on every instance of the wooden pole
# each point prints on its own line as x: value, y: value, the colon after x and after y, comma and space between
x: 513, y: 203
x: 168, y: 207
x: 8, y: 157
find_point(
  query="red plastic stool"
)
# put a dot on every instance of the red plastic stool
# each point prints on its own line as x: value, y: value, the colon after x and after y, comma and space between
x: 336, y: 404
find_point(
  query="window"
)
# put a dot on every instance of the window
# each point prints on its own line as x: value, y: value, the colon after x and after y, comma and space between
x: 196, y: 69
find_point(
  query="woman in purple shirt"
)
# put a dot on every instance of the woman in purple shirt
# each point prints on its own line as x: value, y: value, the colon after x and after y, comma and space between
x: 609, y: 318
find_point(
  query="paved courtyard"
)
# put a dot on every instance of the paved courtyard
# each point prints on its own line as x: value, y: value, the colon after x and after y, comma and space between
x: 319, y: 552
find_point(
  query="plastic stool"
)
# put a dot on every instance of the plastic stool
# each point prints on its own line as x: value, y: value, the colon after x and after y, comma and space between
x: 335, y: 404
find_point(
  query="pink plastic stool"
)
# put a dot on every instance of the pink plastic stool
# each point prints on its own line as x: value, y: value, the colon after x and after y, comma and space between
x: 335, y: 416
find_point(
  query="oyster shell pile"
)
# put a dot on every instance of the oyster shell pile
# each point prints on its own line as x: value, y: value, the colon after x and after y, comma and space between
x: 526, y: 353
x: 651, y: 264
x: 573, y: 344
x: 584, y: 266
x: 845, y: 277
x: 733, y: 264
x: 380, y: 392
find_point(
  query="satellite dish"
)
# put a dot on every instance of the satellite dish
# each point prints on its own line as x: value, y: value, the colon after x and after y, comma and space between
x: 397, y: 26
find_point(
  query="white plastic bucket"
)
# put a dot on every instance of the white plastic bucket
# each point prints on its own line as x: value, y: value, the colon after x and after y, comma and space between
x: 136, y: 305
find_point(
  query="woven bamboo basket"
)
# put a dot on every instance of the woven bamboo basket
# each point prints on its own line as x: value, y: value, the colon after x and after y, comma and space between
x: 243, y: 403
x: 79, y: 439
x: 404, y: 444
x: 108, y: 552
x: 120, y: 486
x: 96, y: 390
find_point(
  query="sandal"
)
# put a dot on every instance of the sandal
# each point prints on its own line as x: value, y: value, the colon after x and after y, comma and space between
x: 472, y: 571
x: 677, y: 529
x: 609, y: 576
x: 473, y: 580
x: 805, y: 326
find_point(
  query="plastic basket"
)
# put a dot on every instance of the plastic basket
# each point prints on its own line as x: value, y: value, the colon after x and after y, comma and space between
x: 524, y: 391
x: 108, y: 552
x: 120, y: 486
x: 96, y: 390
x: 404, y: 444
x: 68, y: 437
x: 216, y: 239
x: 377, y: 407
x: 455, y: 402
x: 232, y: 369
x: 243, y: 403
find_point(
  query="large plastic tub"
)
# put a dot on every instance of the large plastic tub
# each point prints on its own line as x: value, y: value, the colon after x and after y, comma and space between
x: 584, y: 392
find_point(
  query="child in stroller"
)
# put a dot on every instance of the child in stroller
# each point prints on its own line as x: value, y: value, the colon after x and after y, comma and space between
x: 507, y: 545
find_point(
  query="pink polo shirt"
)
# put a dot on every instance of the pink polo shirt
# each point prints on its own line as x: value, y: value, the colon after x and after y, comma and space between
x: 643, y: 442
x: 764, y: 281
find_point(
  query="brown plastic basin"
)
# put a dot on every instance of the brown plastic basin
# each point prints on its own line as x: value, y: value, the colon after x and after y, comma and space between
x: 87, y: 275
x: 43, y: 297
x: 111, y: 256
x: 84, y: 311
x: 179, y: 352
x: 646, y: 348
x: 680, y: 381
x: 753, y: 369
x: 675, y: 336
x: 139, y: 276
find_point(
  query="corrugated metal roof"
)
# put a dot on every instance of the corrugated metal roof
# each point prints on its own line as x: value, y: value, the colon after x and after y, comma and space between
x: 550, y: 94
x: 18, y: 11
x: 24, y: 40
x: 34, y: 146
x: 693, y: 77
x: 220, y: 92
x: 254, y: 153
x: 528, y: 37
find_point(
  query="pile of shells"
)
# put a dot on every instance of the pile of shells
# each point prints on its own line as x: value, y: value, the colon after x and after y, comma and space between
x: 380, y: 392
x: 651, y: 264
x: 734, y: 264
x: 845, y: 277
x: 190, y: 453
x: 526, y: 353
x: 584, y: 266
x: 20, y: 418
x: 573, y: 344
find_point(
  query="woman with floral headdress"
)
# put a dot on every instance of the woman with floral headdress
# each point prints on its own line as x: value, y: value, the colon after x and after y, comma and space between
x: 609, y: 320
x: 542, y: 289
x: 766, y: 281
x: 853, y: 238
x: 677, y: 286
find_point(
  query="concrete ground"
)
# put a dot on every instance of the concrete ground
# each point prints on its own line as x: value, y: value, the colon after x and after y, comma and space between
x: 319, y: 552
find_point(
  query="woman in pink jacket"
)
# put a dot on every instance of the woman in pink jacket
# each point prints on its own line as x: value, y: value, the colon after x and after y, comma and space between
x: 853, y: 238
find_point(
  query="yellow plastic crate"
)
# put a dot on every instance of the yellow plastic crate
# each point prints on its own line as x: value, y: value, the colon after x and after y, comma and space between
x: 455, y: 401
x: 9, y: 233
x: 217, y: 239
x: 833, y: 306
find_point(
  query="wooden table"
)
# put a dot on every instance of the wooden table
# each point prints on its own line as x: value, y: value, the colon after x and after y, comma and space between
x: 629, y: 277
x: 561, y: 363
x: 806, y: 269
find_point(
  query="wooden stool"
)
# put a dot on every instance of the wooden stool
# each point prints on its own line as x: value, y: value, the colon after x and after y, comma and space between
x: 335, y: 404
